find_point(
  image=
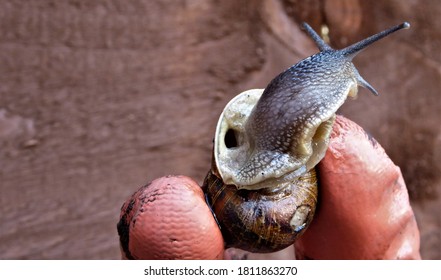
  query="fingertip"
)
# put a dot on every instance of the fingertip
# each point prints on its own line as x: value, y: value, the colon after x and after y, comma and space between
x: 363, y: 210
x: 354, y: 151
x: 169, y: 219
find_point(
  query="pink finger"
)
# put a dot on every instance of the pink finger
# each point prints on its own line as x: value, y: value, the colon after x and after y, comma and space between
x: 169, y: 219
x: 363, y: 210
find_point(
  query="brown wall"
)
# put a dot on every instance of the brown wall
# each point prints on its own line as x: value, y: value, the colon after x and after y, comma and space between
x: 100, y: 97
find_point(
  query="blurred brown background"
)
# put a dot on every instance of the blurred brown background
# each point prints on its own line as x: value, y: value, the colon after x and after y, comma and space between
x: 99, y: 97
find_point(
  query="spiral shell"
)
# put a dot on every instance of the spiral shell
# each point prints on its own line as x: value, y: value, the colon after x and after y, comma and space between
x: 266, y: 220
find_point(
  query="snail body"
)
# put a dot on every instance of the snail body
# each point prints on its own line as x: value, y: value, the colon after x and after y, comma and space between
x: 262, y: 186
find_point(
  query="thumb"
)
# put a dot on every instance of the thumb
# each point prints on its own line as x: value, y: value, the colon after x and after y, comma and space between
x: 363, y: 210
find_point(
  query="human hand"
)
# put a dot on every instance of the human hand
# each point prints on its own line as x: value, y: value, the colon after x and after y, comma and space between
x: 363, y: 210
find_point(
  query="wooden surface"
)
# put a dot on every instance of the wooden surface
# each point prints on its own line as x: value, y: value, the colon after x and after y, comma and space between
x: 99, y: 97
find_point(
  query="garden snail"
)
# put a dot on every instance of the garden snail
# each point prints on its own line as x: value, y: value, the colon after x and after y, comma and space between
x: 262, y: 186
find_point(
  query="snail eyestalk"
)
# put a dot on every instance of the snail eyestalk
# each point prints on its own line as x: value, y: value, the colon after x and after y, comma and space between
x: 354, y: 49
x: 351, y: 51
x: 321, y: 44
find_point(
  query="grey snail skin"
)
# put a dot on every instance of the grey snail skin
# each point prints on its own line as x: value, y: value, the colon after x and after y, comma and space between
x: 262, y: 186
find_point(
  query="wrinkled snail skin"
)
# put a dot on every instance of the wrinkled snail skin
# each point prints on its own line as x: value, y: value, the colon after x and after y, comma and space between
x: 262, y: 186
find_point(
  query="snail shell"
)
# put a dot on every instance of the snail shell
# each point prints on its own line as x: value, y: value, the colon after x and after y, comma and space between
x: 262, y: 186
x: 264, y: 217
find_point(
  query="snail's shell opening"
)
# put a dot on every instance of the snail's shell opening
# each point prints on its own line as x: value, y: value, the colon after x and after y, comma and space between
x: 233, y: 147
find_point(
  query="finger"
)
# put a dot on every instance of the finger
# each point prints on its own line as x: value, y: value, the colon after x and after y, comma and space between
x: 169, y: 219
x: 363, y: 210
